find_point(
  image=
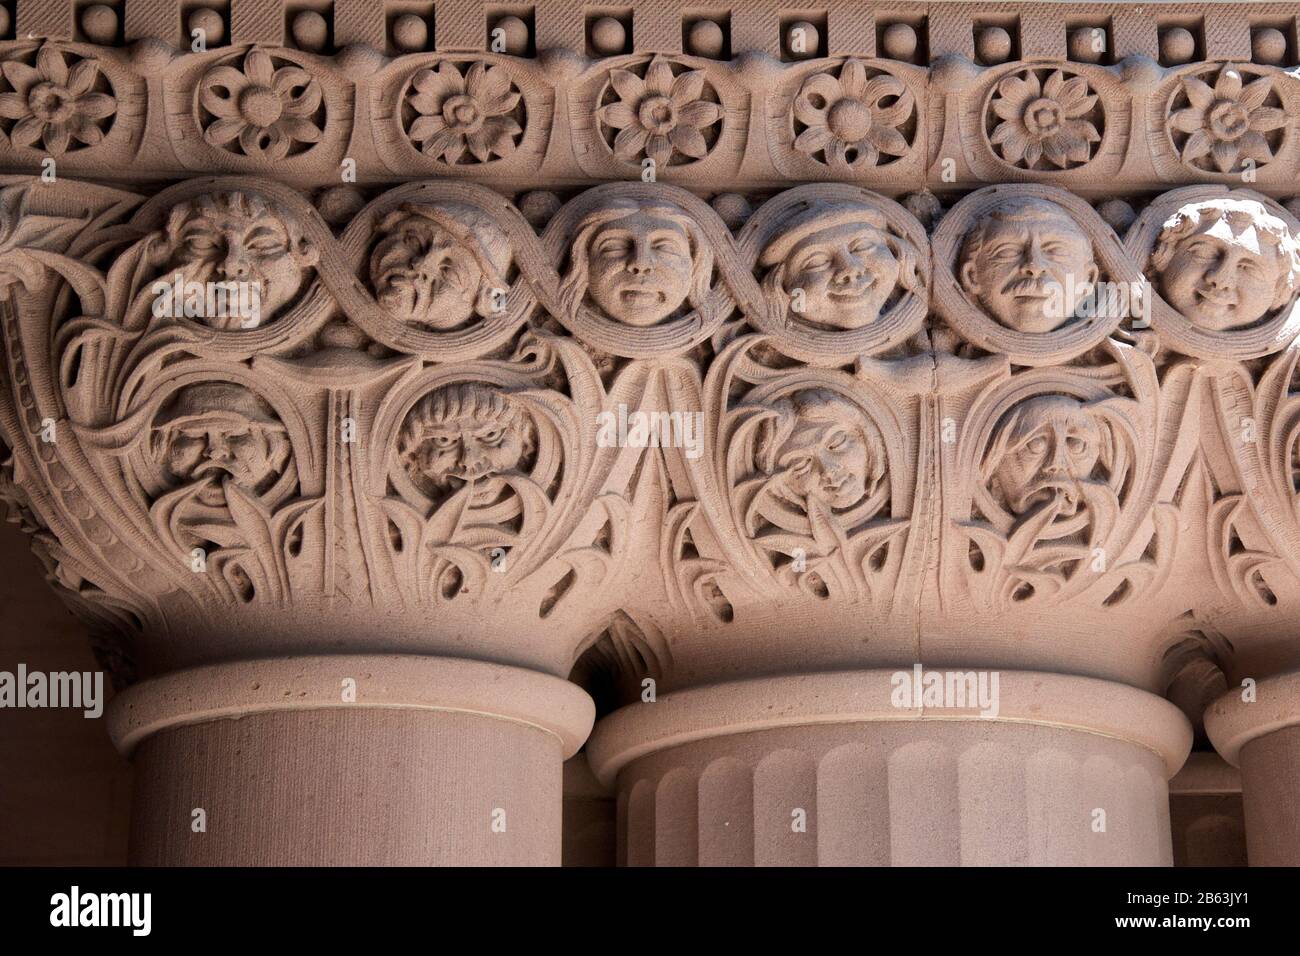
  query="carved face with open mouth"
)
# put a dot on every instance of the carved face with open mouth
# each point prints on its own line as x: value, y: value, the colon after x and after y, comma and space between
x: 242, y: 243
x: 640, y: 268
x: 1053, y: 445
x: 214, y: 432
x: 465, y: 433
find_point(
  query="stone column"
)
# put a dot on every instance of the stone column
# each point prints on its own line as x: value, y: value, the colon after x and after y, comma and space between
x: 432, y: 761
x: 1262, y: 738
x: 823, y: 769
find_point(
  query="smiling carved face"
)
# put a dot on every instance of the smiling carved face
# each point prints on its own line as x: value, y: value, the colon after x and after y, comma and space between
x: 639, y: 268
x: 846, y: 273
x: 1221, y: 279
x: 816, y: 447
x: 1029, y: 265
x: 1053, y: 446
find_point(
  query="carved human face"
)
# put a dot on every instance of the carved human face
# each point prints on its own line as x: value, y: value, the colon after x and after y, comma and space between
x: 229, y: 244
x: 825, y: 455
x: 1054, y: 446
x: 210, y: 434
x: 639, y: 268
x: 464, y: 433
x: 1032, y: 270
x: 846, y: 274
x: 422, y: 275
x: 1221, y: 281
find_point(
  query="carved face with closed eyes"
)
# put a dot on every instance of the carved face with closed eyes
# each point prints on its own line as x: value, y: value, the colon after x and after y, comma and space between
x: 638, y: 262
x: 1225, y: 264
x: 465, y: 433
x: 438, y: 265
x: 818, y: 445
x: 1028, y: 264
x: 239, y: 238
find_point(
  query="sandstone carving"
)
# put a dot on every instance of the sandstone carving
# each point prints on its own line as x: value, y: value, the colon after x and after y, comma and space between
x: 1223, y: 264
x: 1045, y: 120
x: 686, y: 347
x: 259, y: 110
x: 638, y: 263
x: 1226, y: 126
x: 837, y: 265
x: 854, y: 120
x: 464, y: 114
x: 437, y: 266
x: 1028, y: 264
x: 664, y: 117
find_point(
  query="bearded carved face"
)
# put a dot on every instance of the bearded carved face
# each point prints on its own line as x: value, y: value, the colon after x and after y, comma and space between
x: 215, y: 432
x: 1052, y: 446
x: 239, y: 240
x: 1224, y: 267
x: 437, y: 266
x: 819, y: 446
x: 465, y: 433
x: 844, y: 274
x: 1029, y: 265
x: 640, y: 268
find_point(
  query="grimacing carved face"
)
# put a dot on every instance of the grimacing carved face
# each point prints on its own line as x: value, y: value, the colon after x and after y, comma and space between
x: 639, y: 268
x: 212, y: 432
x: 424, y: 275
x: 847, y: 272
x: 1029, y: 265
x: 820, y: 444
x: 235, y: 238
x: 1227, y: 273
x: 462, y: 433
x: 1053, y: 446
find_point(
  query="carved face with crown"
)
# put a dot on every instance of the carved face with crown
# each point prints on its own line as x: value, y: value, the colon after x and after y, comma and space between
x: 1225, y: 263
x: 638, y: 263
x: 836, y: 265
x: 1028, y: 264
x: 462, y: 434
x: 217, y: 432
x: 238, y: 240
x: 437, y: 266
x: 819, y: 445
x: 1043, y: 453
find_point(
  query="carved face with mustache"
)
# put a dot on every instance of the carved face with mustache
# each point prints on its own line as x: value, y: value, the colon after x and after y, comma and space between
x: 214, y: 432
x: 1051, y: 446
x: 1029, y: 265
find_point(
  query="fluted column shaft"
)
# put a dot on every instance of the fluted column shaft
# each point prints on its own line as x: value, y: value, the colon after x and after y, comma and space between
x: 418, y: 761
x: 1260, y: 734
x: 823, y: 770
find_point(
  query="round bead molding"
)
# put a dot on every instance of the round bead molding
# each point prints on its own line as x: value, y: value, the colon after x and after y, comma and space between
x: 393, y: 681
x: 848, y: 697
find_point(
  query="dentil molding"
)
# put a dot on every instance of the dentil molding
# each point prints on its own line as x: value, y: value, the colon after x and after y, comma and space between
x: 846, y: 279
